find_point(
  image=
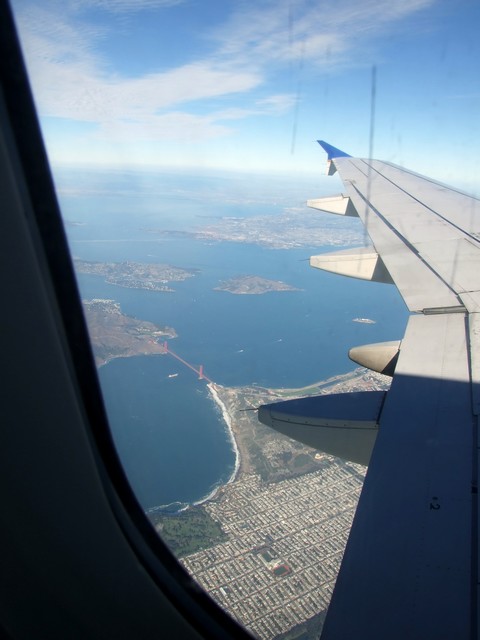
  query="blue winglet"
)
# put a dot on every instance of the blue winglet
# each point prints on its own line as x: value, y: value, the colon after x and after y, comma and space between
x: 333, y: 152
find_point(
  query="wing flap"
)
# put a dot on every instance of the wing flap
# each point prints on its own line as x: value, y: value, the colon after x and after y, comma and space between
x: 343, y: 425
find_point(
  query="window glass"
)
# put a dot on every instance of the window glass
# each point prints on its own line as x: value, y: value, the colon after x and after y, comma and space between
x: 182, y: 141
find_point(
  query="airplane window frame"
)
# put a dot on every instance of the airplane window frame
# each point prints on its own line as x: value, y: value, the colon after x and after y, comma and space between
x: 34, y: 178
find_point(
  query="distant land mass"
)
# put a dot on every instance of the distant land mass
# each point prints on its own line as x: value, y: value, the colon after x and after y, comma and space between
x: 253, y: 285
x: 292, y: 229
x: 136, y: 275
x: 116, y: 335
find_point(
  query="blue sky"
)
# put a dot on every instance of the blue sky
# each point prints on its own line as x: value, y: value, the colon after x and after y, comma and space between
x: 251, y: 84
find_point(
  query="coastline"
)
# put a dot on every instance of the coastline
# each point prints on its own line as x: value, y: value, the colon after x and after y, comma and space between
x: 242, y: 431
x: 227, y: 418
x: 250, y: 439
x: 104, y: 361
x: 212, y: 388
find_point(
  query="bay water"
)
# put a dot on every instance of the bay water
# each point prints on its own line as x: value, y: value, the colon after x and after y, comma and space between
x: 169, y: 434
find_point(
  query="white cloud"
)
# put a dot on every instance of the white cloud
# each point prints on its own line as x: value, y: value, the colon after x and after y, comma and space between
x: 325, y: 34
x: 279, y: 103
x: 175, y: 125
x: 75, y: 91
x: 187, y: 127
x: 124, y: 6
x: 72, y: 81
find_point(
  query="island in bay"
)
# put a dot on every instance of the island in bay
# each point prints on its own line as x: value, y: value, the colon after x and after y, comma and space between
x: 116, y: 335
x: 364, y: 320
x: 253, y: 285
x: 136, y: 275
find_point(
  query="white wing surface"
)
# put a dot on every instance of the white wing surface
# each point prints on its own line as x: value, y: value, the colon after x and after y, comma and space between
x: 410, y: 568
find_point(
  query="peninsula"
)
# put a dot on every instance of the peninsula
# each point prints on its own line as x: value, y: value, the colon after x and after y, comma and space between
x: 291, y: 229
x: 136, y: 275
x: 253, y: 285
x: 116, y: 335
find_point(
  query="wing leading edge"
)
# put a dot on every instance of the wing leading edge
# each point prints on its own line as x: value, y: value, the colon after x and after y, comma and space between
x: 410, y: 566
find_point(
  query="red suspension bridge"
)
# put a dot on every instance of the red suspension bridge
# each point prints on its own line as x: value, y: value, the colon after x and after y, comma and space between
x: 199, y: 371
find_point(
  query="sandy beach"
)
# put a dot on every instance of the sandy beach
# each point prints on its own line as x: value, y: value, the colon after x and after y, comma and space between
x: 229, y: 422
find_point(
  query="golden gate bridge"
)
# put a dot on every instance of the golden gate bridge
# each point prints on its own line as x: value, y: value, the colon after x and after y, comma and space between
x: 199, y: 371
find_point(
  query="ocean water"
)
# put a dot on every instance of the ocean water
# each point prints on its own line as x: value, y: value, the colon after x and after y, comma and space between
x: 169, y: 434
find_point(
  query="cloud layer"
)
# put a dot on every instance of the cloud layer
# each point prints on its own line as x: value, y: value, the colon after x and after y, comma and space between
x: 259, y: 48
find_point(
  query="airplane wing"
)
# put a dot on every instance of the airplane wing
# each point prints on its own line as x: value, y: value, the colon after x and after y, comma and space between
x: 410, y: 566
